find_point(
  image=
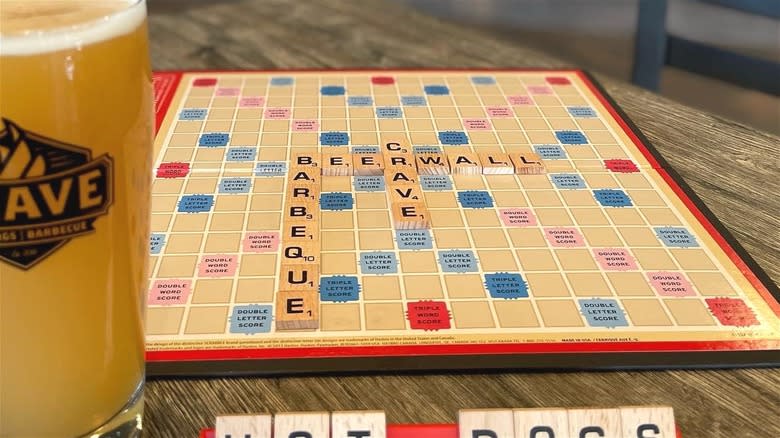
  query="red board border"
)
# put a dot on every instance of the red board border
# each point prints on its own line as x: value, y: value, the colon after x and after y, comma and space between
x: 749, y: 268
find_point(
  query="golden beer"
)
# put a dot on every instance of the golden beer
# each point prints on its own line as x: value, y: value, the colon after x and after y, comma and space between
x: 76, y: 130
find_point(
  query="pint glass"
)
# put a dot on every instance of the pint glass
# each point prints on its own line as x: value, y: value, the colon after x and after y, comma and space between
x: 76, y: 131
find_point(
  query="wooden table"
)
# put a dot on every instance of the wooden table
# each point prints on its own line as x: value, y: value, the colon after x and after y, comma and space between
x: 732, y: 167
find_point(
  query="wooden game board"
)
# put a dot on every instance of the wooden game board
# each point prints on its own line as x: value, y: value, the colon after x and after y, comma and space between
x: 284, y: 239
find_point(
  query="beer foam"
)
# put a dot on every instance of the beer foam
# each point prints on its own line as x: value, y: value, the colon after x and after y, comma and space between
x: 39, y: 26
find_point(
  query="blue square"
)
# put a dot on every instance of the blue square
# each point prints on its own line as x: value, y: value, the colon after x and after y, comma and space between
x: 425, y: 149
x: 676, y: 237
x: 568, y: 181
x: 603, y: 313
x: 214, y: 139
x: 234, y: 185
x: 437, y: 90
x: 156, y: 243
x: 332, y: 90
x: 271, y: 168
x: 550, y: 151
x: 369, y: 183
x: 413, y: 100
x: 435, y: 182
x: 368, y: 149
x: 336, y: 201
x: 453, y: 137
x: 506, y: 285
x: 389, y: 112
x: 571, y: 137
x: 195, y: 203
x: 241, y: 154
x: 334, y: 138
x: 193, y: 114
x: 483, y: 80
x: 251, y: 319
x: 378, y: 262
x: 458, y: 261
x: 612, y: 198
x: 475, y: 199
x: 339, y: 289
x: 360, y: 101
x: 582, y: 111
x: 413, y: 239
x: 281, y: 81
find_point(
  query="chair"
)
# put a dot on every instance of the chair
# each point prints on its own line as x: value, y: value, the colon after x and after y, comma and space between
x: 655, y: 48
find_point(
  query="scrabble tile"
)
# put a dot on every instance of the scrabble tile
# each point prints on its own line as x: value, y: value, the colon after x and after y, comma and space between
x: 297, y: 310
x: 496, y: 163
x: 464, y: 163
x: 488, y: 423
x: 647, y: 421
x: 432, y: 164
x: 368, y: 164
x: 591, y: 423
x: 541, y: 423
x: 358, y: 424
x: 302, y: 425
x: 527, y: 163
x: 243, y: 426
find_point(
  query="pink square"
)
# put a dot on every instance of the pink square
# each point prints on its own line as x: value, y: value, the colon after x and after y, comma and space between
x: 251, y: 102
x: 498, y: 112
x: 476, y: 124
x: 261, y: 241
x: 517, y: 217
x: 219, y: 265
x: 520, y: 100
x: 277, y: 113
x: 614, y: 259
x: 228, y: 92
x: 539, y: 89
x: 305, y: 125
x: 670, y: 284
x: 168, y: 292
x: 564, y: 237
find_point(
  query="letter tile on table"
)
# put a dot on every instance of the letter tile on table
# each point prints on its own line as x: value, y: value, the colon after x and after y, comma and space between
x: 486, y: 423
x: 594, y: 423
x: 647, y: 421
x: 541, y: 423
x: 243, y: 426
x: 302, y: 425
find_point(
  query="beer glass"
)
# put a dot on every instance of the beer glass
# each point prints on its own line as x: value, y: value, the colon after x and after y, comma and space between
x: 76, y: 131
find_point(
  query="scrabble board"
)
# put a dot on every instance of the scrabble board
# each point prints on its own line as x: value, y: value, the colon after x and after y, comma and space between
x: 431, y: 219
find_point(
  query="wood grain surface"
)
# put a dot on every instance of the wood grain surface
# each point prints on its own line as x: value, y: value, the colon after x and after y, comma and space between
x: 732, y: 167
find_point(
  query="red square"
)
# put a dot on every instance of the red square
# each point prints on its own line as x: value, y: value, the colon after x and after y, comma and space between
x: 621, y: 166
x: 557, y: 80
x: 428, y: 315
x: 204, y: 82
x: 173, y: 170
x: 382, y: 80
x: 732, y: 312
